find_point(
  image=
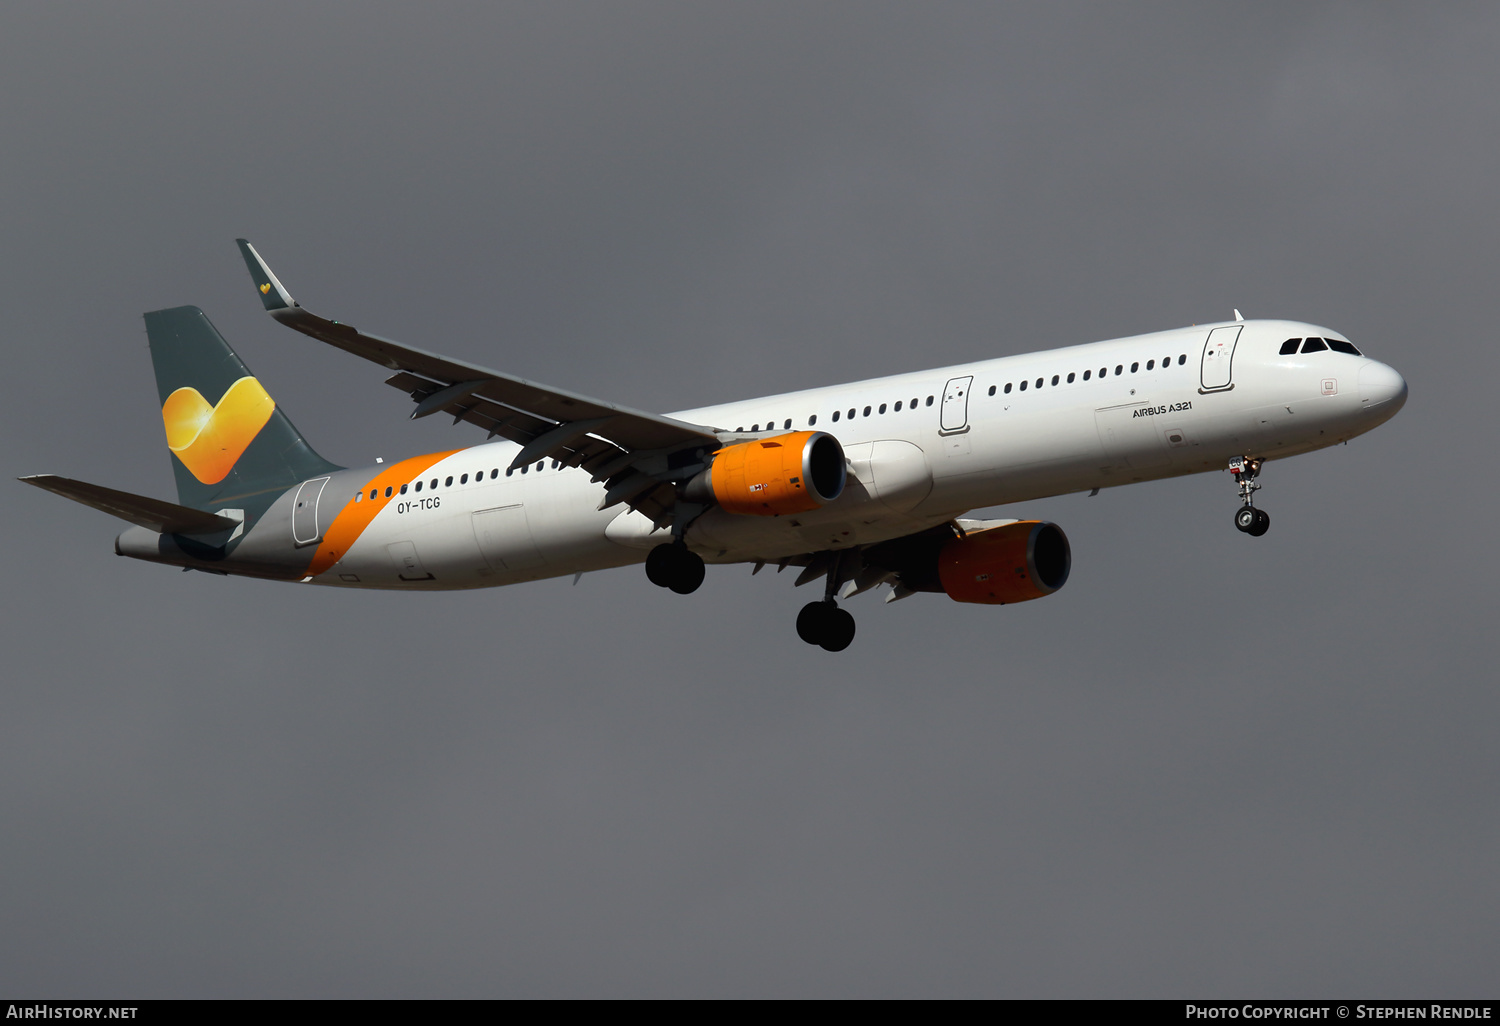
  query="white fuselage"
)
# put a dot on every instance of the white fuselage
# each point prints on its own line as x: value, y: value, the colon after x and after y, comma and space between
x: 922, y: 448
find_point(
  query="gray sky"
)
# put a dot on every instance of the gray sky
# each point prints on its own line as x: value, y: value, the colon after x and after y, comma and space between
x: 1209, y: 766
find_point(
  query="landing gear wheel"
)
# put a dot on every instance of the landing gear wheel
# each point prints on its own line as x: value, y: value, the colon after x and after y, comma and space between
x: 689, y: 573
x: 811, y: 620
x: 659, y: 566
x: 1252, y: 521
x: 825, y: 625
x: 676, y: 567
x: 838, y: 631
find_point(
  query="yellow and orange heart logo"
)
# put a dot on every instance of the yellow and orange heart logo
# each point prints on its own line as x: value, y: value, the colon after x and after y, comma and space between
x: 210, y: 439
x: 265, y: 289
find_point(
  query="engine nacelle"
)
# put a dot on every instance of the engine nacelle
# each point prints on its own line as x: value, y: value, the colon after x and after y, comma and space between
x: 1012, y: 563
x: 769, y: 477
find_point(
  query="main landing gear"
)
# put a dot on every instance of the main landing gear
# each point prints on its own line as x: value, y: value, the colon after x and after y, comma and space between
x: 823, y: 623
x: 826, y: 625
x: 674, y: 565
x: 1248, y: 519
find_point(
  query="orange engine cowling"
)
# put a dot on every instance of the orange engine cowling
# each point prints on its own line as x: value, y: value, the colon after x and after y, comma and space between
x: 790, y: 473
x: 1010, y: 563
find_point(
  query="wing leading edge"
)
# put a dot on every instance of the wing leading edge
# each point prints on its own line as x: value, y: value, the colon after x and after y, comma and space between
x: 638, y: 455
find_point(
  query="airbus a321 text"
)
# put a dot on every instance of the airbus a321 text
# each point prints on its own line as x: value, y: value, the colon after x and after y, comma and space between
x: 860, y: 485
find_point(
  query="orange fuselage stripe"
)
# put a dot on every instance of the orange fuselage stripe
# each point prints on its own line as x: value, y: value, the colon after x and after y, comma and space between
x: 356, y: 516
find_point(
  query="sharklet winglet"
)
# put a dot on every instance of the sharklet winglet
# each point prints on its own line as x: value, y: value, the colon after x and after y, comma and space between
x: 273, y: 294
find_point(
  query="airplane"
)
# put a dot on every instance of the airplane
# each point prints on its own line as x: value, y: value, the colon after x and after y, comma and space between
x: 863, y: 485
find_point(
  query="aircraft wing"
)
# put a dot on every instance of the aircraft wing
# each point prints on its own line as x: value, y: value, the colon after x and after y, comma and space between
x: 630, y: 449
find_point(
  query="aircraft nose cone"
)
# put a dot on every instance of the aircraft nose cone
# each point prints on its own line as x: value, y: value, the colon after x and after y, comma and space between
x: 1380, y: 386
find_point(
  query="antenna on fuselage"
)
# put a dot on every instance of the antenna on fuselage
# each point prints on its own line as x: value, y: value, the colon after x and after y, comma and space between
x: 1239, y: 316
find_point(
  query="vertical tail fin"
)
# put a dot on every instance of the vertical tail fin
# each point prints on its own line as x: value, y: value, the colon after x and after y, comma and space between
x: 228, y: 439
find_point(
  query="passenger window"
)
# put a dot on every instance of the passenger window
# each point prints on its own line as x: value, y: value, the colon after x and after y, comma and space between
x: 867, y: 411
x: 419, y: 486
x: 376, y: 491
x: 358, y: 496
x: 1039, y: 382
x: 541, y: 464
x: 1070, y: 377
x: 754, y: 427
x: 1007, y: 388
x: 1134, y: 367
x: 1314, y: 345
x: 434, y: 483
x: 1290, y: 346
x: 1086, y: 375
x: 1055, y: 379
x: 494, y: 473
x: 1150, y: 364
x: 526, y: 469
x: 1338, y: 345
x: 851, y: 414
x: 403, y: 489
x: 1104, y: 372
x: 882, y: 405
x: 509, y: 471
x: 1182, y: 359
x: 447, y: 482
x: 1023, y: 386
x: 464, y: 479
x: 1119, y: 369
x: 914, y: 404
x: 835, y: 416
x: 812, y: 420
x: 388, y: 491
x: 992, y: 390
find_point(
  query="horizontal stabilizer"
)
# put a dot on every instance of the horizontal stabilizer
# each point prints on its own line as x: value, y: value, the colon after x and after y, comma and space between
x: 152, y: 514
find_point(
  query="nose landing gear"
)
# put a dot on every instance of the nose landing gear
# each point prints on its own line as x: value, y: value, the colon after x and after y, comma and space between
x: 1248, y: 519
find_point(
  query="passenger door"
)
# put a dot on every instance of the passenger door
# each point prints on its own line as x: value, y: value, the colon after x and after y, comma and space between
x: 305, y: 512
x: 1218, y: 358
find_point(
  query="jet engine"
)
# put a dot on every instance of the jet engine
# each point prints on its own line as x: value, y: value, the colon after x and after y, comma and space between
x: 769, y: 477
x: 995, y: 565
x: 1014, y: 563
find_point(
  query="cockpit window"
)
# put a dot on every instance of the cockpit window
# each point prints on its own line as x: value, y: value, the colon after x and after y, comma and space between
x: 1338, y: 345
x: 1290, y: 346
x: 1314, y: 345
